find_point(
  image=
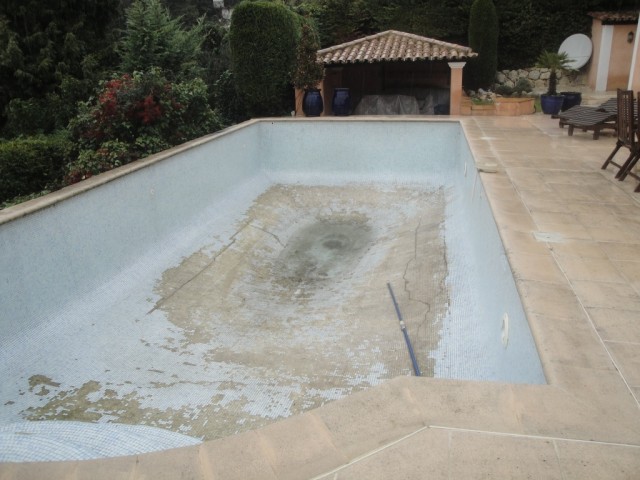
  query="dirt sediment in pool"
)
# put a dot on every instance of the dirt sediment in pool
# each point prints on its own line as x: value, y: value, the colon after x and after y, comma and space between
x: 289, y: 312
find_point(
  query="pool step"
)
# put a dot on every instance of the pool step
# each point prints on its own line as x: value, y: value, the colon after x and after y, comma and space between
x: 60, y: 440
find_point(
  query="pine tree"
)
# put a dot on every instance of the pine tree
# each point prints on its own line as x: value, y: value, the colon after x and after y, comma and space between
x: 154, y: 39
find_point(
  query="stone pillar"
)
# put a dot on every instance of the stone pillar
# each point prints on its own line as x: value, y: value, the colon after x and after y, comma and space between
x: 455, y: 87
x: 299, y: 96
x: 634, y: 71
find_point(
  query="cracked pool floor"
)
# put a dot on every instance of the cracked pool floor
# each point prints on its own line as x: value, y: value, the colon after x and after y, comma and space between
x: 288, y: 312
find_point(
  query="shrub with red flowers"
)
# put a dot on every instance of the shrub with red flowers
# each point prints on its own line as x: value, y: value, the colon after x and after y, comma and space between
x: 137, y: 115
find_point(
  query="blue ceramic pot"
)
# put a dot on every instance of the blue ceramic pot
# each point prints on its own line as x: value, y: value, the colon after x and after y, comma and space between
x: 551, y: 104
x: 312, y: 104
x: 571, y: 99
x: 341, y: 103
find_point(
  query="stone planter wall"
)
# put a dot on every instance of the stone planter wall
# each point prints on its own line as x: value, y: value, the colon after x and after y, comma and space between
x: 539, y: 78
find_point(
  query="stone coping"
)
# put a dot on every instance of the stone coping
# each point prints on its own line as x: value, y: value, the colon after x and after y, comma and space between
x: 31, y: 206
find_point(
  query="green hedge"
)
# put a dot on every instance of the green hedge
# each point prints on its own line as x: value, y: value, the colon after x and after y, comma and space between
x: 263, y: 37
x: 28, y: 165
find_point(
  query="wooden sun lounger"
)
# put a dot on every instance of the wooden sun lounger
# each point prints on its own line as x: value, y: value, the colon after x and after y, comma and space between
x: 578, y: 110
x: 590, y: 118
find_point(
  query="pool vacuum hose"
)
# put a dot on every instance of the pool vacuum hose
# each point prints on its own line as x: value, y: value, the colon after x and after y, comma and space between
x: 414, y: 361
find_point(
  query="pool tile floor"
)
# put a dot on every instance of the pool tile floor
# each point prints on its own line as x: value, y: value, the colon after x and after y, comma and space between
x: 572, y: 235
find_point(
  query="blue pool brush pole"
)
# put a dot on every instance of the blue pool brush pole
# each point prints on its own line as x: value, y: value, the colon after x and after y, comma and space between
x: 416, y: 368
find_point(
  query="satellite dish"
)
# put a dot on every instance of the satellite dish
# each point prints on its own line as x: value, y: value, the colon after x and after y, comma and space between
x: 578, y: 48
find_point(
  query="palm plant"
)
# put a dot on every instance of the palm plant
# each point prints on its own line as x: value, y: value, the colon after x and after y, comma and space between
x: 554, y: 61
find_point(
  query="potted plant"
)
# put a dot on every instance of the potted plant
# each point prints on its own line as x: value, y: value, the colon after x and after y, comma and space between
x: 551, y: 102
x: 308, y: 72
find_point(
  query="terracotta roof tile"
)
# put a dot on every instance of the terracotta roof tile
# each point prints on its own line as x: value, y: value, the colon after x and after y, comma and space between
x: 392, y: 46
x: 615, y: 17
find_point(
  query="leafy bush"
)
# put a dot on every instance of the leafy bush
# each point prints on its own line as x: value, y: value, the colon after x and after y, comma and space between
x: 137, y: 115
x: 263, y: 37
x: 527, y: 28
x: 43, y: 42
x: 28, y: 165
x: 522, y: 86
x: 227, y: 102
x: 504, y: 90
x: 28, y: 117
x: 45, y: 114
x: 339, y: 21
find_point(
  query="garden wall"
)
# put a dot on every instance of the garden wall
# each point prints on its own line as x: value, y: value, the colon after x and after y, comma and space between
x: 539, y: 78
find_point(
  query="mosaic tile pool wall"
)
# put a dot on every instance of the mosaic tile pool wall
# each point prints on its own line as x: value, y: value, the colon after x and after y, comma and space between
x: 88, y: 252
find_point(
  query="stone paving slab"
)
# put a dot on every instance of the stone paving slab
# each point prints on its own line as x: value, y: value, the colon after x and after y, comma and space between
x: 239, y: 456
x: 369, y: 422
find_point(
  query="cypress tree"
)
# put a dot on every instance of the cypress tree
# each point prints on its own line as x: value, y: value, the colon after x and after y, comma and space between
x: 308, y: 70
x: 263, y: 37
x: 483, y: 39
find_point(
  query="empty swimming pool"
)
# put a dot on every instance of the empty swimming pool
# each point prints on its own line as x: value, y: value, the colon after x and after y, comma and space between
x: 242, y: 278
